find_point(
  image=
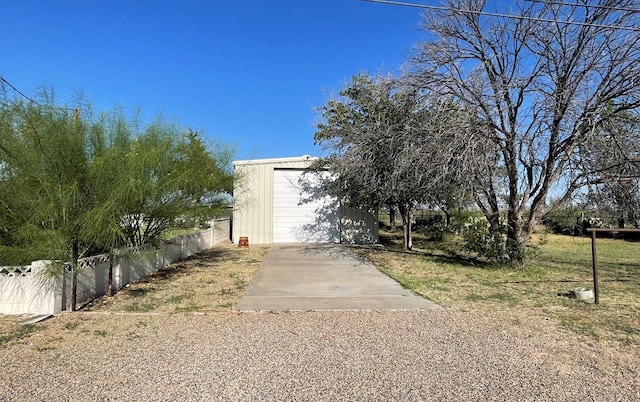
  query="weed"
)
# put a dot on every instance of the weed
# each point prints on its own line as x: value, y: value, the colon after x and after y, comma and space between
x: 71, y: 325
x: 177, y: 298
x: 142, y: 307
x: 240, y: 283
x: 227, y: 292
x: 19, y: 332
x: 100, y: 332
x: 189, y: 308
x: 133, y: 335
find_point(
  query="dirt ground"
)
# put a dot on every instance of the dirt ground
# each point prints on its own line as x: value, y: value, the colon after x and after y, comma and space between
x: 212, y: 282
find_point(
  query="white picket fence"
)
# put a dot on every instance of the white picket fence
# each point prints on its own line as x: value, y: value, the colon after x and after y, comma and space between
x: 25, y: 290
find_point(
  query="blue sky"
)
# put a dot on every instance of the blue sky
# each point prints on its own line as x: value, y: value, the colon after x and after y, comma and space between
x: 248, y: 73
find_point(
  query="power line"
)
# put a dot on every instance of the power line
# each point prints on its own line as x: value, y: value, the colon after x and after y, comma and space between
x: 491, y: 14
x: 561, y: 3
x: 18, y: 91
x: 76, y: 111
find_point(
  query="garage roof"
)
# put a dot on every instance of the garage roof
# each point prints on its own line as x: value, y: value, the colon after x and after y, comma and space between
x: 302, y: 158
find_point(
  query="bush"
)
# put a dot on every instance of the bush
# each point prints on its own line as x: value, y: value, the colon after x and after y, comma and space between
x: 478, y: 238
x: 434, y: 227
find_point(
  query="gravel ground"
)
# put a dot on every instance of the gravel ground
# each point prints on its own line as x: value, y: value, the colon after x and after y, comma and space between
x: 333, y: 356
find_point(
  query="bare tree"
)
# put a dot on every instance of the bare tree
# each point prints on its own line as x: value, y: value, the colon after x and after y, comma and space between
x: 538, y: 89
x: 612, y: 157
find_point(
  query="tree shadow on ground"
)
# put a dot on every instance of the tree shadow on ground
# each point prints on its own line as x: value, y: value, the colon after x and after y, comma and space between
x: 334, y: 251
x: 393, y: 243
x: 203, y: 259
x: 139, y: 292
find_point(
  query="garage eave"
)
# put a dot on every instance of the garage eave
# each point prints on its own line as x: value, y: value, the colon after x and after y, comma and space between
x: 276, y: 161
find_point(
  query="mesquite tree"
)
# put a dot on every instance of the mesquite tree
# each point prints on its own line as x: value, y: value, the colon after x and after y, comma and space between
x: 390, y: 145
x: 539, y: 87
x: 72, y: 185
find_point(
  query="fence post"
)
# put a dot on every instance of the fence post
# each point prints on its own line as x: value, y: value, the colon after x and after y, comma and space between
x: 213, y: 233
x: 594, y: 265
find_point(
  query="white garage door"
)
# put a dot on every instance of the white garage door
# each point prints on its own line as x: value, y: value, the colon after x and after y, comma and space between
x: 300, y: 212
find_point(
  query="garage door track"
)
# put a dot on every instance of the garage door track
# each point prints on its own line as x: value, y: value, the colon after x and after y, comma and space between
x: 323, y: 277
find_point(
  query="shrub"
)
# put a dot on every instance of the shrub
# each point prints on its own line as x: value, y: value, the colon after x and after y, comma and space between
x: 478, y: 238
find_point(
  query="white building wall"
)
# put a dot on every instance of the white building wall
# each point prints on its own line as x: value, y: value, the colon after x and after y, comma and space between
x: 253, y: 204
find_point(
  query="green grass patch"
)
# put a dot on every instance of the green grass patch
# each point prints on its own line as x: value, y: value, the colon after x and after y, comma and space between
x: 442, y: 272
x: 143, y: 307
x: 16, y: 333
x: 240, y: 284
x: 71, y: 325
x: 188, y: 308
x: 227, y: 292
x: 177, y: 299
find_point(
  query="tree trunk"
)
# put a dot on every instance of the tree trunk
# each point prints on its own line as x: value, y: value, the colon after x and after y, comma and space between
x: 494, y: 222
x: 405, y: 212
x: 392, y: 217
x: 516, y: 239
x: 110, y: 276
x: 447, y: 218
x: 75, y: 256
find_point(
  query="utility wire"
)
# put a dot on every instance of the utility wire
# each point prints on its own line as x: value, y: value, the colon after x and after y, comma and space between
x: 491, y: 14
x: 76, y: 111
x: 18, y: 91
x: 561, y: 3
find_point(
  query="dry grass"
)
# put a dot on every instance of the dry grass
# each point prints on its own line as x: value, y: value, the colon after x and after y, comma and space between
x: 212, y: 281
x: 557, y: 264
x: 208, y: 282
x: 12, y: 329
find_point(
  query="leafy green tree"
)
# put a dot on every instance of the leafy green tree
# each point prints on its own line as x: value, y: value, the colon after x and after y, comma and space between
x: 80, y: 186
x: 163, y: 175
x: 45, y: 150
x: 390, y: 145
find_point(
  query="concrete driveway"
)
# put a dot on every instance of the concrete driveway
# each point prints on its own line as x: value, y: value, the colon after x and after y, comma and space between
x: 323, y: 277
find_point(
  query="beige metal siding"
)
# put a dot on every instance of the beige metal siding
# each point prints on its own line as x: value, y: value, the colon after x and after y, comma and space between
x: 253, y: 197
x: 358, y: 226
x: 253, y: 204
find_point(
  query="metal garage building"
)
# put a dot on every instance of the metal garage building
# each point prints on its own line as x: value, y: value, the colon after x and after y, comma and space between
x: 278, y: 201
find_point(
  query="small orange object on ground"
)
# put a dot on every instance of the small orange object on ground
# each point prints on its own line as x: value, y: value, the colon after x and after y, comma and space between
x: 243, y: 242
